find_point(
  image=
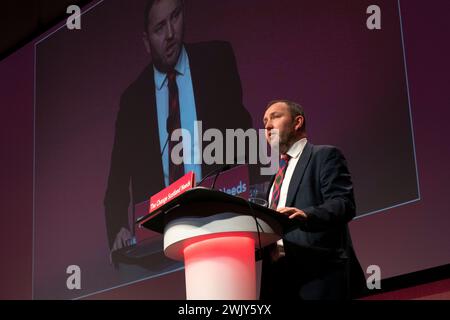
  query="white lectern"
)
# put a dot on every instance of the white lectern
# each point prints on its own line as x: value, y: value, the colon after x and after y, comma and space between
x: 215, y: 234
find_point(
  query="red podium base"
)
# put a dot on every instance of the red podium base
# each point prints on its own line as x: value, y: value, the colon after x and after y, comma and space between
x: 221, y: 267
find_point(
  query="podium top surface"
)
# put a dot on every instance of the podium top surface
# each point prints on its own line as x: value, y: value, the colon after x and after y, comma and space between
x: 203, y: 202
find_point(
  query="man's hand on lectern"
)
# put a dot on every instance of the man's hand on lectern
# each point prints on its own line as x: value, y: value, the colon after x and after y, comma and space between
x: 123, y: 238
x: 293, y: 213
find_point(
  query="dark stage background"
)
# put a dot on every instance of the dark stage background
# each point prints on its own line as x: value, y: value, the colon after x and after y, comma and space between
x: 59, y: 97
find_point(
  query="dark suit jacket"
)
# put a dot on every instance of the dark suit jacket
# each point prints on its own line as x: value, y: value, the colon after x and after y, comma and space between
x: 136, y: 156
x: 318, y: 252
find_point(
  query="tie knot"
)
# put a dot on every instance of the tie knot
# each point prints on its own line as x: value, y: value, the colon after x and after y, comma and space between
x: 171, y: 75
x: 285, y: 157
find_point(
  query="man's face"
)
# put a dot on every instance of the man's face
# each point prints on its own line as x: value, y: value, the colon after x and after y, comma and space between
x: 164, y: 36
x: 278, y: 117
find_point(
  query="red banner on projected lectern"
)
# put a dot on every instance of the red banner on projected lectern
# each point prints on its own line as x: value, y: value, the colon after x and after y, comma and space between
x: 177, y: 188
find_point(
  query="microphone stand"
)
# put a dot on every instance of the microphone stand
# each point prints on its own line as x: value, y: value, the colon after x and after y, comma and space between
x: 224, y: 167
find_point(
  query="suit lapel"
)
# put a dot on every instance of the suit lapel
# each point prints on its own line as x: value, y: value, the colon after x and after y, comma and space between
x: 147, y: 123
x: 200, y: 78
x: 148, y: 107
x: 197, y: 76
x: 297, y: 176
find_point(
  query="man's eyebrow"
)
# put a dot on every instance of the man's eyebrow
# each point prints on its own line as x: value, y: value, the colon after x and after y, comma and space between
x: 176, y: 10
x: 156, y: 25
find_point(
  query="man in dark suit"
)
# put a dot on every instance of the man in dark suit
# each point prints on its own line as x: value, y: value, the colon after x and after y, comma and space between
x: 315, y: 258
x: 205, y: 87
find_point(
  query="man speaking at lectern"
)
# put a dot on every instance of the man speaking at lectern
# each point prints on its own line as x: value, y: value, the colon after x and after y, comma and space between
x: 315, y: 259
x: 183, y: 83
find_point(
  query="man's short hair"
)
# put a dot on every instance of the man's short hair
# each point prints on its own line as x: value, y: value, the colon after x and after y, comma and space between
x: 294, y: 108
x: 148, y: 7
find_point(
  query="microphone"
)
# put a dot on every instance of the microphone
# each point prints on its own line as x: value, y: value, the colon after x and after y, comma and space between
x: 218, y: 171
x: 224, y: 168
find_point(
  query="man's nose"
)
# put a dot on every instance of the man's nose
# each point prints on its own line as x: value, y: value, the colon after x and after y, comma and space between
x: 170, y: 30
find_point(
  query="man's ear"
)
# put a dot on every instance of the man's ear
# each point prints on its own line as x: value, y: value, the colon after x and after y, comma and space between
x: 146, y: 42
x: 299, y: 120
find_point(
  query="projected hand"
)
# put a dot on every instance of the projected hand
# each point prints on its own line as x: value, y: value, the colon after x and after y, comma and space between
x: 123, y: 238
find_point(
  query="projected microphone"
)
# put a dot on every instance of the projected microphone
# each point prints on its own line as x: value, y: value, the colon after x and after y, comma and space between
x: 169, y: 129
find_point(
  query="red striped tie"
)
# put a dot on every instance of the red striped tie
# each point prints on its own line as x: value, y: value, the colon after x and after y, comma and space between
x: 284, y: 160
x: 175, y: 171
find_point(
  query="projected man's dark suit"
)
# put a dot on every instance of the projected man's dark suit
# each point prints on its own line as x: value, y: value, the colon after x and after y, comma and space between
x: 136, y: 156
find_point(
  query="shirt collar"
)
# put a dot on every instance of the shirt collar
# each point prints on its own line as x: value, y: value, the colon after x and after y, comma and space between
x: 297, y: 148
x: 180, y: 67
